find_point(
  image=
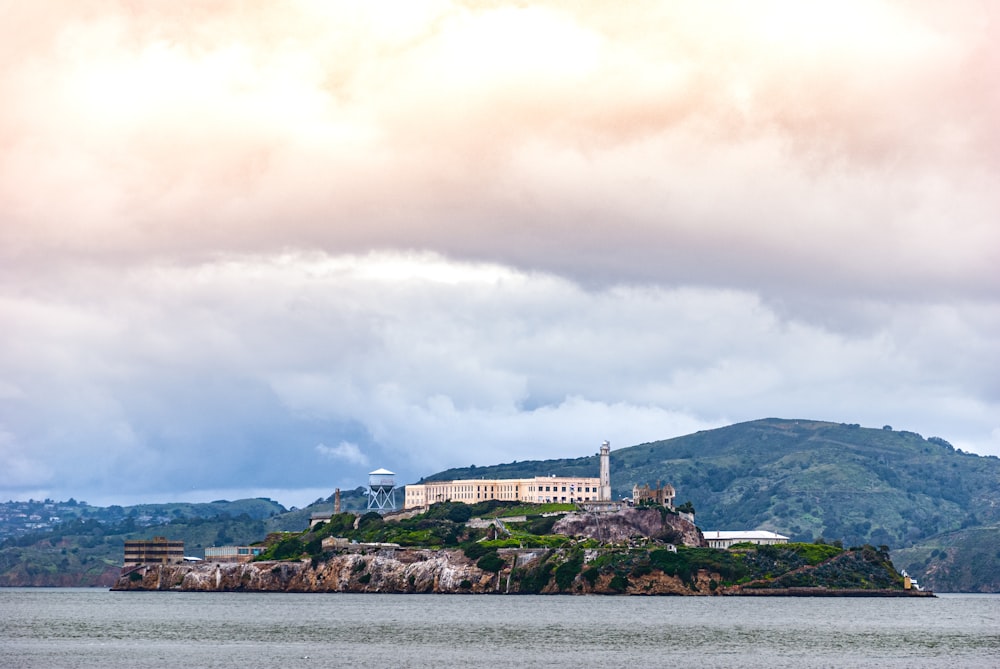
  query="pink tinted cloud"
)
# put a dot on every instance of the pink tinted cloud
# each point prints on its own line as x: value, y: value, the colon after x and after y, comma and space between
x: 659, y: 141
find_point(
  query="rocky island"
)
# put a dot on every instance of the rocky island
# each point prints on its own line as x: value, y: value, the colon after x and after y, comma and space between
x: 637, y: 551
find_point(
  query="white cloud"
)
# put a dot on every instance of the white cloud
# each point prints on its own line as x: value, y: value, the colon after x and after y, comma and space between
x: 225, y: 374
x: 345, y: 451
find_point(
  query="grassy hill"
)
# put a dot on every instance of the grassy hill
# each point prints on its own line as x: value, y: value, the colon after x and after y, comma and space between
x: 810, y: 479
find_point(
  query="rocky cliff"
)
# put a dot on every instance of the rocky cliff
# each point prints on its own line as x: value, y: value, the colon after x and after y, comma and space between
x: 384, y: 570
x: 401, y: 571
x: 574, y: 570
x: 628, y: 523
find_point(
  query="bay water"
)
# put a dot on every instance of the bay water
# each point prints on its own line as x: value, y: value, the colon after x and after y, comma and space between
x: 90, y: 628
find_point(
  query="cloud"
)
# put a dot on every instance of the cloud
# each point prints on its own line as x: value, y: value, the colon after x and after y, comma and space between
x: 343, y: 451
x: 229, y: 374
x: 720, y: 145
x: 450, y: 232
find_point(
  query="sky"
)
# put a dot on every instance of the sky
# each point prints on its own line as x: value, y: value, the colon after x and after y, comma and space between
x: 262, y: 249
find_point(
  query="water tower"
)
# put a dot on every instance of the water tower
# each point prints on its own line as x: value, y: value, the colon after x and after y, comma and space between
x: 381, y: 491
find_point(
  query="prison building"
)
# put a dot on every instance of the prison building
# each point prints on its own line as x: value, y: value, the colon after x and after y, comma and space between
x: 537, y: 490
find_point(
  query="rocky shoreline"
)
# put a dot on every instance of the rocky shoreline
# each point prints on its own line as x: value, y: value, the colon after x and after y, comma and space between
x: 827, y: 592
x: 410, y: 571
x: 400, y: 571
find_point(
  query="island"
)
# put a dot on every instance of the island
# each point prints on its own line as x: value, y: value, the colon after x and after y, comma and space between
x: 507, y: 548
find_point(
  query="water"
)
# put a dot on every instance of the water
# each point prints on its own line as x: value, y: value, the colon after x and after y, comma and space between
x: 84, y: 628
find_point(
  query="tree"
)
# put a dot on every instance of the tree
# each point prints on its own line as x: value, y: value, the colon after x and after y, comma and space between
x: 491, y: 562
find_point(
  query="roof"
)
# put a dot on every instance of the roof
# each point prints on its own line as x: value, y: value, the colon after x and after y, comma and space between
x: 743, y: 534
x: 381, y: 472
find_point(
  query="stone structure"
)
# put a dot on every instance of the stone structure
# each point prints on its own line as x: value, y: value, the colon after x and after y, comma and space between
x: 158, y: 551
x: 627, y: 523
x: 662, y: 495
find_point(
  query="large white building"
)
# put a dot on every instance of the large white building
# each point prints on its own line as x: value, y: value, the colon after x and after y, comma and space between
x: 537, y: 490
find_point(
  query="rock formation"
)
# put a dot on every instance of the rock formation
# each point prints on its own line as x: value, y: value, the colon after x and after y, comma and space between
x: 655, y: 523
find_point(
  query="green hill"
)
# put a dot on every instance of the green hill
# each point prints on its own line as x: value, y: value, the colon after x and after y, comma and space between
x: 809, y: 480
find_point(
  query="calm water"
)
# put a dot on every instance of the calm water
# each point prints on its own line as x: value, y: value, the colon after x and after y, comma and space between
x: 56, y: 628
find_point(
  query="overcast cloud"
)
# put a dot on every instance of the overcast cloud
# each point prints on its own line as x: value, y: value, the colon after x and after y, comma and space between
x: 263, y: 248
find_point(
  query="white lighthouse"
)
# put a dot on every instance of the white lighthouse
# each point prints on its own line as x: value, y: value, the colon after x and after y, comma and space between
x: 605, y: 494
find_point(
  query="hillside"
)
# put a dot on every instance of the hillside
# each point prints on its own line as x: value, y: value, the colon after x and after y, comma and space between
x: 811, y: 479
x: 84, y: 545
x: 961, y: 561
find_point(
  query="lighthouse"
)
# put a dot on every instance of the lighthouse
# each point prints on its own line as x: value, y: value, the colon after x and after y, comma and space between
x: 605, y: 494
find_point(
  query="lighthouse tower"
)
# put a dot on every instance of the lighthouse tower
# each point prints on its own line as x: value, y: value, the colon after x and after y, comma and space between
x: 605, y: 494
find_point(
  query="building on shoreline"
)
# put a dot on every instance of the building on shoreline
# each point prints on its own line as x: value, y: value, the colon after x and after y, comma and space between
x: 158, y: 551
x: 232, y: 553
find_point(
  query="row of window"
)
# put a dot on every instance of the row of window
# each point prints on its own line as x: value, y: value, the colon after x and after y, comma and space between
x: 555, y: 488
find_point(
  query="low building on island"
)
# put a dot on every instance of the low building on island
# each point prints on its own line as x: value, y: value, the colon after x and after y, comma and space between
x: 725, y: 539
x: 232, y: 553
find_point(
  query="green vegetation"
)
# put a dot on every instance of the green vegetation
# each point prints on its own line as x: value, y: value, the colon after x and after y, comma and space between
x: 618, y: 583
x: 813, y: 554
x: 567, y: 572
x: 706, y: 570
x: 436, y: 528
x: 491, y: 562
x: 865, y: 568
x: 532, y: 580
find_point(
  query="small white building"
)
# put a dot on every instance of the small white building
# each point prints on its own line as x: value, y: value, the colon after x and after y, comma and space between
x: 725, y: 539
